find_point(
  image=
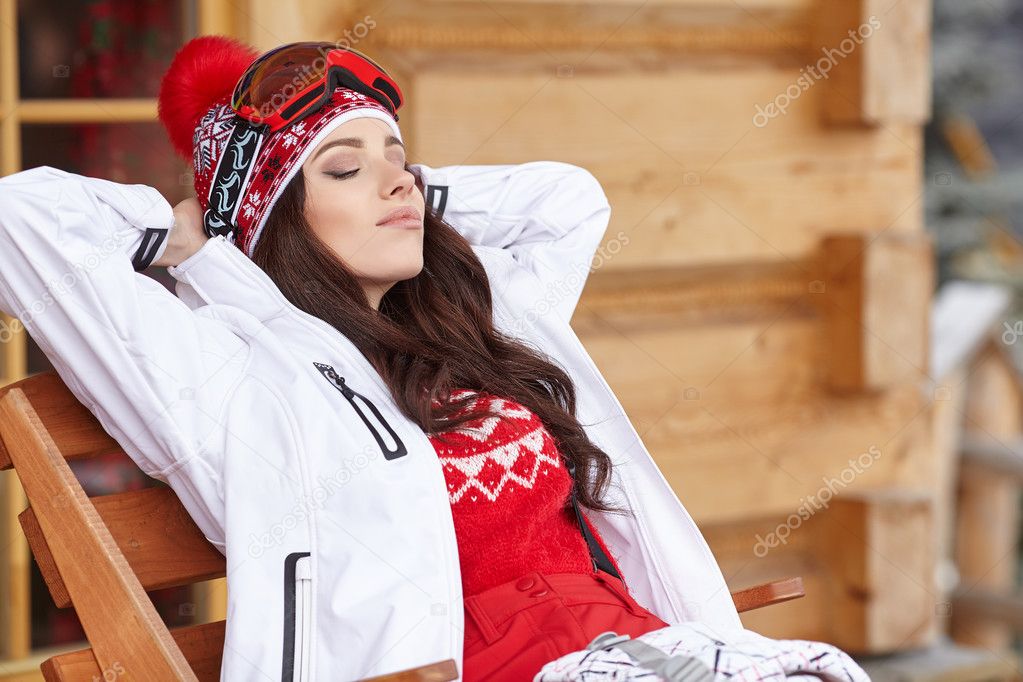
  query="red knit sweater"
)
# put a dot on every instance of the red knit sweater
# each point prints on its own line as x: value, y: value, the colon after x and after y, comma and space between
x: 508, y: 486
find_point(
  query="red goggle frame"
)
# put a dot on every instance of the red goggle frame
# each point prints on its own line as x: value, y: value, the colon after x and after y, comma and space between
x: 291, y: 81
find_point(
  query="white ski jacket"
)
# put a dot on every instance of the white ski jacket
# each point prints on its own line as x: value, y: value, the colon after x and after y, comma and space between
x: 283, y: 442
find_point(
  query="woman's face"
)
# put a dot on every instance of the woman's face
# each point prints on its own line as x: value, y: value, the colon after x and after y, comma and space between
x: 354, y: 178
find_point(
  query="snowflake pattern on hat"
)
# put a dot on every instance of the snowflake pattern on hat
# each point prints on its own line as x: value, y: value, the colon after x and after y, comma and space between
x: 211, y: 136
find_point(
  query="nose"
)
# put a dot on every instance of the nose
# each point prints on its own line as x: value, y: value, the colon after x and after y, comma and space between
x: 398, y: 181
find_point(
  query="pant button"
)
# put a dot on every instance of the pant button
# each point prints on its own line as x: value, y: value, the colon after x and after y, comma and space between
x: 538, y: 593
x: 525, y: 584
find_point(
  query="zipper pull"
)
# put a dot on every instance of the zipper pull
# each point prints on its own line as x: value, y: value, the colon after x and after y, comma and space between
x: 338, y: 380
x: 350, y: 394
x: 345, y: 388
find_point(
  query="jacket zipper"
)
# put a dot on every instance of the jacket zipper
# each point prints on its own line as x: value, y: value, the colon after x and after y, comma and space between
x: 297, y: 618
x: 348, y: 392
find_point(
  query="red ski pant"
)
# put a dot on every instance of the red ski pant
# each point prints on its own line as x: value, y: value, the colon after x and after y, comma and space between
x: 513, y: 629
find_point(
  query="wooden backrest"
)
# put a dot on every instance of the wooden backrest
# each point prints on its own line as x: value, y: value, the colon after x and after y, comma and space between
x: 102, y: 554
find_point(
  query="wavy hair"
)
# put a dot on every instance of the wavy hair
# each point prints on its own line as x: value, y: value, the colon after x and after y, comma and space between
x: 433, y: 334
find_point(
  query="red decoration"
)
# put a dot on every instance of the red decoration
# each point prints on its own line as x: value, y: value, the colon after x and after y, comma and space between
x: 203, y: 73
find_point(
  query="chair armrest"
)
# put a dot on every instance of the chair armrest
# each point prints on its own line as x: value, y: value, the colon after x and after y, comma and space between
x: 442, y: 671
x: 768, y: 593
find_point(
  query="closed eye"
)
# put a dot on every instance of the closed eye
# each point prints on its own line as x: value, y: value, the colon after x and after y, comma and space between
x: 340, y: 176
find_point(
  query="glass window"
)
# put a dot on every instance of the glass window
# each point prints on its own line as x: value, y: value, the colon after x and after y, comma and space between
x: 97, y: 48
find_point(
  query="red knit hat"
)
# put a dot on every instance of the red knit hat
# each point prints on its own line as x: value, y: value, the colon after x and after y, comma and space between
x: 194, y: 106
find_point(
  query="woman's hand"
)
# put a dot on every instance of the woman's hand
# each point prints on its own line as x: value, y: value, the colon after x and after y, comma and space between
x: 186, y: 237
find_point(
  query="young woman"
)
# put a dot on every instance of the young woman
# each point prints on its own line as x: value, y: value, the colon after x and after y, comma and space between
x: 366, y: 392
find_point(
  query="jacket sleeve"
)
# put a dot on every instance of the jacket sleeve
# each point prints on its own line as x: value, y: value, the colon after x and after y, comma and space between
x: 154, y: 373
x: 551, y: 216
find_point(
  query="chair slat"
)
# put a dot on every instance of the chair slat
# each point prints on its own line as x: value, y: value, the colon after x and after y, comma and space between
x: 75, y: 431
x: 769, y: 593
x: 202, y: 645
x: 44, y: 558
x: 442, y: 671
x: 159, y: 539
x: 118, y: 617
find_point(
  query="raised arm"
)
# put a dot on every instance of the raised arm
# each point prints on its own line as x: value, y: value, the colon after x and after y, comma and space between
x: 155, y: 373
x: 550, y: 215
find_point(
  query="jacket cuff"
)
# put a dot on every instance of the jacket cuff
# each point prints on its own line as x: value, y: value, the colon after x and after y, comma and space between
x: 156, y: 227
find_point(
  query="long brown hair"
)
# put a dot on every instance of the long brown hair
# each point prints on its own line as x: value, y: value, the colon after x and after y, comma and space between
x: 432, y: 334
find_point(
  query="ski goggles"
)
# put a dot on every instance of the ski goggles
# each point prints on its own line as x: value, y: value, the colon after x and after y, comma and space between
x: 292, y: 81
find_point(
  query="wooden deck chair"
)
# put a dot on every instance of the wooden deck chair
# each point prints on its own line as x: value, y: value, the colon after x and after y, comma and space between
x: 102, y: 554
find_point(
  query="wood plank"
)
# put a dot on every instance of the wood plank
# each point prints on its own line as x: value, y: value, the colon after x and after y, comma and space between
x: 202, y: 645
x: 15, y: 610
x: 990, y: 606
x: 711, y: 400
x: 989, y: 515
x: 704, y: 186
x: 117, y: 616
x: 768, y: 594
x: 969, y: 146
x: 413, y: 31
x: 942, y: 447
x: 87, y: 110
x: 15, y: 576
x: 75, y: 431
x: 876, y: 339
x: 880, y: 552
x: 1001, y: 457
x: 879, y: 58
x: 866, y: 561
x: 751, y: 4
x: 678, y: 298
x: 159, y: 540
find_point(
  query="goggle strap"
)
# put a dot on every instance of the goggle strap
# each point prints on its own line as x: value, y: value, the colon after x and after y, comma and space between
x: 230, y: 177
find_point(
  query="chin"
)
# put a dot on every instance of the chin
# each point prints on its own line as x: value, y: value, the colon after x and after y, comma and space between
x: 414, y: 272
x: 400, y: 274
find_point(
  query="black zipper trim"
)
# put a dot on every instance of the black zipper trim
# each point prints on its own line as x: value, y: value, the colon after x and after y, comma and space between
x: 338, y: 382
x: 288, y: 658
x: 437, y: 198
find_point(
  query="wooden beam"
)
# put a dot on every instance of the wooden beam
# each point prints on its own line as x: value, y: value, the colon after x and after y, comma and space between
x: 15, y: 583
x: 989, y: 516
x: 87, y: 110
x: 877, y: 300
x: 880, y: 553
x: 867, y: 561
x: 877, y: 57
x: 988, y: 605
x: 998, y: 457
x: 160, y: 542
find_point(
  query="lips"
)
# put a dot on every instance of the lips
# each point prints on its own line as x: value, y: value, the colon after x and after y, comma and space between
x: 405, y: 216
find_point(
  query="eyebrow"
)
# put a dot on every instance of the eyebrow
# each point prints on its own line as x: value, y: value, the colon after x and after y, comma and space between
x: 355, y: 142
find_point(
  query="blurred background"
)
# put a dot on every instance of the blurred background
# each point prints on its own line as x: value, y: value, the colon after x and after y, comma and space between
x: 806, y: 299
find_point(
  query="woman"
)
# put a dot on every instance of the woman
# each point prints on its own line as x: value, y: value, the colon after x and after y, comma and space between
x: 366, y: 392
